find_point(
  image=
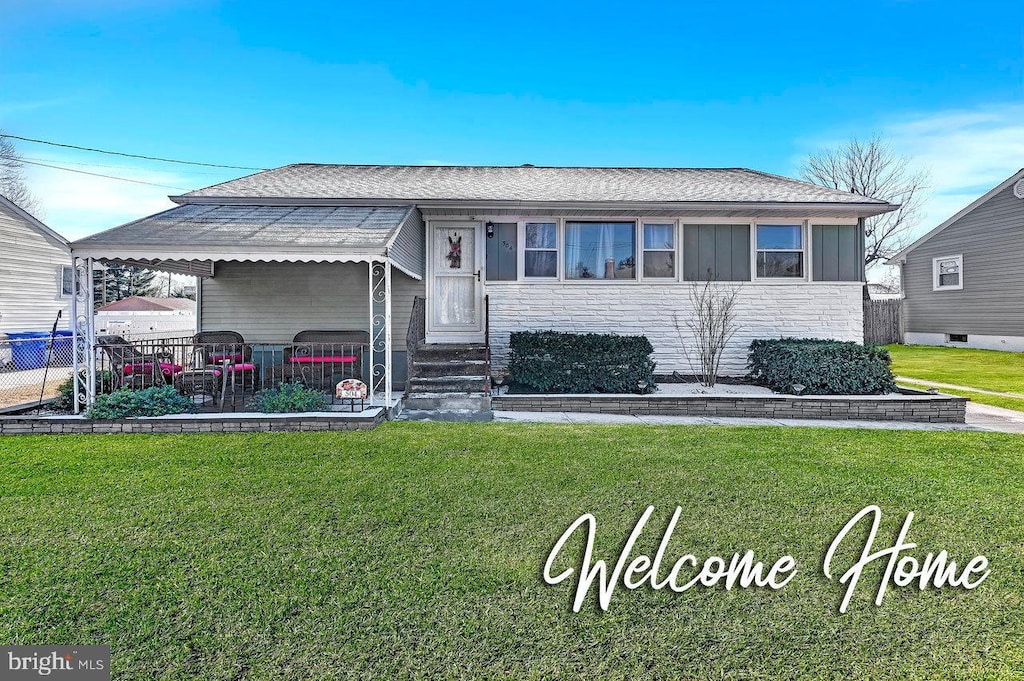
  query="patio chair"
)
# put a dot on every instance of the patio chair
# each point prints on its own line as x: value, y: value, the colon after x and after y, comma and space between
x: 135, y: 369
x: 321, y: 358
x: 227, y: 350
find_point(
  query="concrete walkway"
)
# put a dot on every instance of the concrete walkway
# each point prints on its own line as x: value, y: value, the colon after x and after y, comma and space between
x: 980, y: 418
x: 997, y: 419
x: 953, y: 386
x: 621, y: 419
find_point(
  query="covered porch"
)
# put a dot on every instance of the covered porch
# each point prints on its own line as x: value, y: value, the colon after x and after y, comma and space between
x: 312, y: 295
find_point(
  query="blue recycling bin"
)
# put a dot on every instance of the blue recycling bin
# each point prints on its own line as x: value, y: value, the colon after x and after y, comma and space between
x: 63, y: 355
x: 28, y: 348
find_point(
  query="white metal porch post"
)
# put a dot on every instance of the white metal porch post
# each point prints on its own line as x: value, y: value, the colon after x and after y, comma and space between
x: 83, y: 332
x: 387, y: 339
x: 380, y: 330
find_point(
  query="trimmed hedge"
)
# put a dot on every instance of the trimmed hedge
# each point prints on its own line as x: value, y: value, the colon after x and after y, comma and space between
x: 555, y: 362
x: 823, y: 367
x: 155, y: 401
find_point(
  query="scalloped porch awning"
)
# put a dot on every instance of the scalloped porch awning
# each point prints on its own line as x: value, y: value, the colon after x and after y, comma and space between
x: 189, y: 239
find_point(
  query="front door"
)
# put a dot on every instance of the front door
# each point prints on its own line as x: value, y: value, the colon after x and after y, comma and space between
x: 455, y: 298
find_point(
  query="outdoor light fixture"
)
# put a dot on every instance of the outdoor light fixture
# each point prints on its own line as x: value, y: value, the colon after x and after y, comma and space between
x: 490, y: 229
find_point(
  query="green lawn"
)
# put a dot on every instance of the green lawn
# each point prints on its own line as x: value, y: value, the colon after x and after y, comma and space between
x: 415, y: 551
x: 985, y: 369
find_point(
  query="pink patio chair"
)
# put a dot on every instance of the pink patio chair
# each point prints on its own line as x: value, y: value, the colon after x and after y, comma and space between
x: 135, y: 369
x: 321, y: 358
x: 227, y: 350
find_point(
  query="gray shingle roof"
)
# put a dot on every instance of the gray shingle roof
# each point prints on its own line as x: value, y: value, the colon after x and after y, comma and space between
x: 522, y: 183
x: 257, y: 227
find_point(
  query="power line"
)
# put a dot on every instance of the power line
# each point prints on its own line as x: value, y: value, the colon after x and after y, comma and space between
x: 109, y: 177
x: 121, y: 153
x: 99, y: 165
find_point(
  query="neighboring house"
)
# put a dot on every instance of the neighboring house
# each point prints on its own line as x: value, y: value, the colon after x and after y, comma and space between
x: 35, y: 273
x: 500, y: 249
x: 147, y: 317
x: 963, y: 283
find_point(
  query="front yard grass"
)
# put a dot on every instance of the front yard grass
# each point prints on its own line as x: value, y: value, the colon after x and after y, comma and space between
x: 984, y: 369
x: 415, y: 550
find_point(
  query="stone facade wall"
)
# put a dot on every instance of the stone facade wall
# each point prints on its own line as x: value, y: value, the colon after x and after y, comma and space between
x: 659, y: 311
x: 25, y: 425
x: 918, y: 408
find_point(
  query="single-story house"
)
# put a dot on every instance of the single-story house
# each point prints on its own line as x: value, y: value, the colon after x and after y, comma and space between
x: 962, y: 281
x: 146, y: 316
x: 35, y: 272
x: 492, y: 250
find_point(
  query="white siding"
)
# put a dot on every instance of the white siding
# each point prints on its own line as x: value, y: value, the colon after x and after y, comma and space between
x: 818, y: 310
x: 269, y: 302
x: 407, y: 250
x: 30, y: 277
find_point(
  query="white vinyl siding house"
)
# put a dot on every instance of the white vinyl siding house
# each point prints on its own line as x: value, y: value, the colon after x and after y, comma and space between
x: 34, y: 273
x: 494, y: 250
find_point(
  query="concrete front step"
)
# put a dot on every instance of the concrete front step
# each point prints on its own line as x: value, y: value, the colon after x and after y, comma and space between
x: 458, y: 367
x: 448, y: 384
x: 448, y: 352
x: 448, y: 379
x: 448, y: 401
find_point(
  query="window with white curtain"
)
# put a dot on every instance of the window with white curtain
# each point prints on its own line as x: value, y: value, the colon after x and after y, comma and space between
x: 947, y: 273
x: 540, y: 252
x: 659, y: 250
x: 600, y: 250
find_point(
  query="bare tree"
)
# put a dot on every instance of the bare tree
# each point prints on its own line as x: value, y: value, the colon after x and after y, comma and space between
x: 12, y: 179
x: 872, y: 169
x: 712, y: 325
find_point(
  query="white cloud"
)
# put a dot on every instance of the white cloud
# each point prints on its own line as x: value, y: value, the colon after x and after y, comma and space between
x: 76, y: 205
x: 967, y: 153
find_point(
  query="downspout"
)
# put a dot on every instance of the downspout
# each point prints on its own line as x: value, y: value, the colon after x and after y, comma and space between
x: 199, y: 304
x: 862, y: 246
x: 76, y: 356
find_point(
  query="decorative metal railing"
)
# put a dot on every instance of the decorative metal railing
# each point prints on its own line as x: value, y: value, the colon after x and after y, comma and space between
x: 487, y: 339
x: 225, y: 376
x: 416, y: 334
x: 99, y: 364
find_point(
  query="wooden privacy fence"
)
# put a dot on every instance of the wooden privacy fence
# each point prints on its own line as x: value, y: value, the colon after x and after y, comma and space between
x: 883, y: 321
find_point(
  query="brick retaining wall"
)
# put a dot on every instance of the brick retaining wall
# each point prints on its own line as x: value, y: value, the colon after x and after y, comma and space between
x: 909, y: 407
x: 219, y: 423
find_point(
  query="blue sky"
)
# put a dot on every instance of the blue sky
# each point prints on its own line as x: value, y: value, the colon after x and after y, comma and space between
x: 650, y: 84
